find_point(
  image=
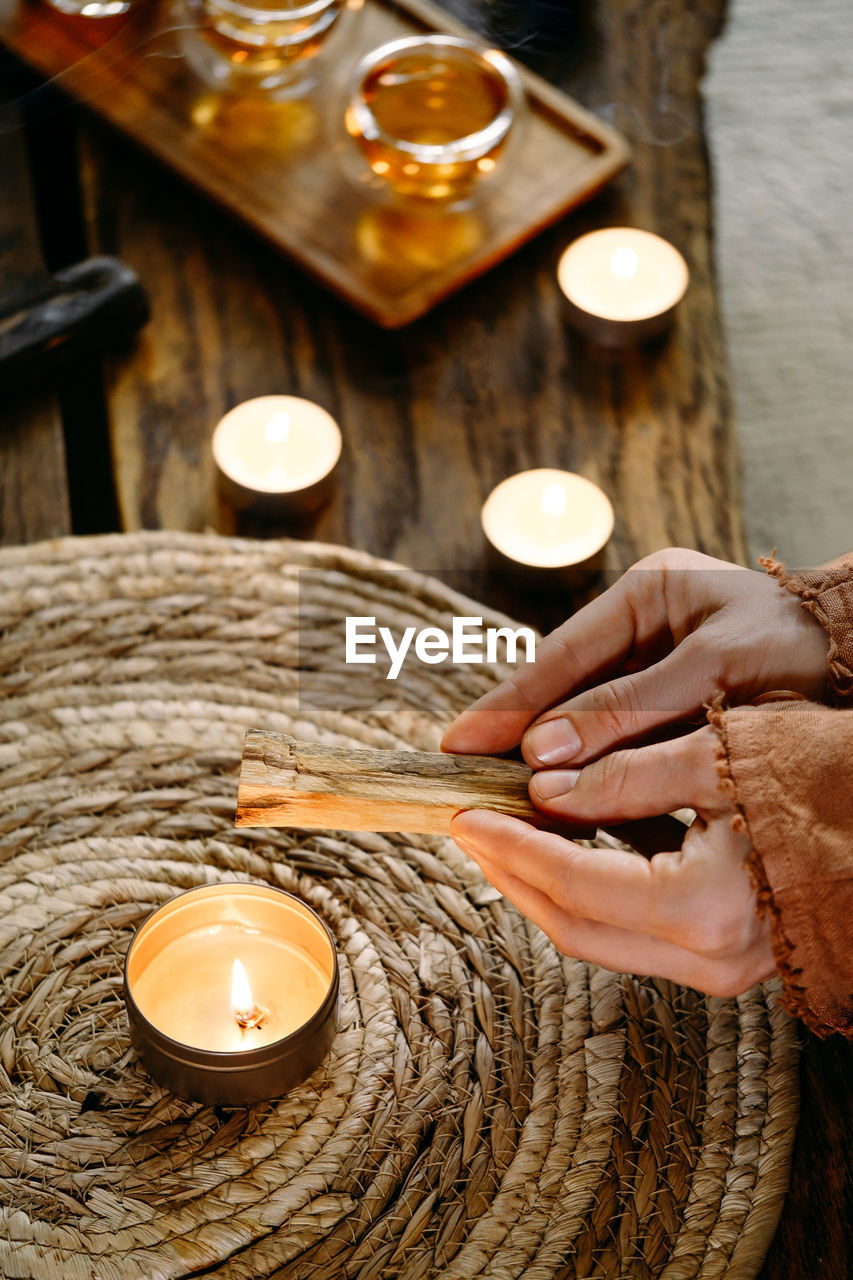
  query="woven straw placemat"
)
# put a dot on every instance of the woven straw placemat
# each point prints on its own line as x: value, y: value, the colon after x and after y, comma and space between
x: 489, y: 1108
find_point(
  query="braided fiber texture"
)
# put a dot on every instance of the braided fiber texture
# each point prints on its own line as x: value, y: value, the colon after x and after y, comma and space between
x: 489, y: 1107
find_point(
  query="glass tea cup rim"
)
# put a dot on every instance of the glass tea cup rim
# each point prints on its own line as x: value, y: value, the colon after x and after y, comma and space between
x: 467, y: 147
x: 254, y: 13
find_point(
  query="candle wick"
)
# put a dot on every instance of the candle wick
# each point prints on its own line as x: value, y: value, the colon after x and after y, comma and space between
x: 249, y: 1019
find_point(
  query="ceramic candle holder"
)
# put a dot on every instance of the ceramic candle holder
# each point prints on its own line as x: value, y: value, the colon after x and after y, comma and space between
x: 276, y: 456
x: 232, y: 993
x: 547, y: 527
x: 621, y: 285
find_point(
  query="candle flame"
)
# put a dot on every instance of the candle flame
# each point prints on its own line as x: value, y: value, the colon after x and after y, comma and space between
x: 277, y: 429
x: 246, y: 1013
x: 554, y: 500
x: 242, y: 1004
x: 624, y: 262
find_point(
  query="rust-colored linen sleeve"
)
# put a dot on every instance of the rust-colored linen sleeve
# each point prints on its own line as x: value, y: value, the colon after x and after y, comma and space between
x: 827, y: 593
x: 789, y: 768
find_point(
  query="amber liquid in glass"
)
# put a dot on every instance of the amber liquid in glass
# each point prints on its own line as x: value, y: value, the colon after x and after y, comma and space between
x: 261, y: 37
x: 429, y: 99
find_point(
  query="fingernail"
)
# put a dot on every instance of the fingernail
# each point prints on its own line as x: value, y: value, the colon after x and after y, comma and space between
x: 553, y: 741
x: 551, y: 783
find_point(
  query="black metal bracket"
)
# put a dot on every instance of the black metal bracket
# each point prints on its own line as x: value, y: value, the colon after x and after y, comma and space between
x: 88, y: 306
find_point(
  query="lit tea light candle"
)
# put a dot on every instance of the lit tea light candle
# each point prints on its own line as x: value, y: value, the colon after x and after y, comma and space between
x: 231, y: 993
x: 621, y: 285
x: 547, y: 522
x: 277, y: 455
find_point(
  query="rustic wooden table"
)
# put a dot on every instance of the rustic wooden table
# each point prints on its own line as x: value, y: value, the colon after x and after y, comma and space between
x: 434, y: 415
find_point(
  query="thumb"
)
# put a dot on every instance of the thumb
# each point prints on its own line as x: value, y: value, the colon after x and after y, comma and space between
x: 638, y: 783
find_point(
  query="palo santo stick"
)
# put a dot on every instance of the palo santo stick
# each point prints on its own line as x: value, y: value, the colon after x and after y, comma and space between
x: 284, y: 783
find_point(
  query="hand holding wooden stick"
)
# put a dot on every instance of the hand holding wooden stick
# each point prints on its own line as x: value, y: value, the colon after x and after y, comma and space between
x: 284, y: 783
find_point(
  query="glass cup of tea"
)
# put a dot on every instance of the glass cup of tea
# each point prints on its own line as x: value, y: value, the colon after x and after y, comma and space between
x: 260, y: 45
x: 432, y: 115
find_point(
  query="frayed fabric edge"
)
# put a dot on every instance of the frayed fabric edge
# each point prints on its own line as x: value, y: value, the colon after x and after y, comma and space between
x: 840, y: 676
x: 794, y: 997
x: 775, y: 569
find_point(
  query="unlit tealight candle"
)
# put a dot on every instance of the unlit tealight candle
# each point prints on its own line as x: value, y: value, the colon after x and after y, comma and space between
x: 277, y: 454
x: 547, y: 519
x: 622, y: 285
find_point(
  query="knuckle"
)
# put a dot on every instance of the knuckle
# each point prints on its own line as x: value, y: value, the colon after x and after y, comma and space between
x: 610, y: 775
x: 535, y: 845
x: 555, y: 889
x: 705, y: 652
x: 710, y: 657
x: 519, y: 690
x: 541, y: 847
x: 561, y: 641
x: 615, y: 705
x: 558, y: 890
x: 673, y: 558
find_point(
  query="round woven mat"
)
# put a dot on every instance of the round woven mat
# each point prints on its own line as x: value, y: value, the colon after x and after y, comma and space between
x: 489, y: 1107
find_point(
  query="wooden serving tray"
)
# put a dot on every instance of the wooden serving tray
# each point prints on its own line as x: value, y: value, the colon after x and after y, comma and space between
x: 287, y: 168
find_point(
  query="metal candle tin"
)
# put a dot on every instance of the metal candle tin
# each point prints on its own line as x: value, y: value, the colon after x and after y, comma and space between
x: 243, y: 1076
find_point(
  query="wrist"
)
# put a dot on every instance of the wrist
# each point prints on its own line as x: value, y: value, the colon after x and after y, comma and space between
x: 824, y: 596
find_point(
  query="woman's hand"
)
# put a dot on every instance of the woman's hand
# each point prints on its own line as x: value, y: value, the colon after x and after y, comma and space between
x: 646, y: 654
x: 686, y: 914
x: 642, y: 660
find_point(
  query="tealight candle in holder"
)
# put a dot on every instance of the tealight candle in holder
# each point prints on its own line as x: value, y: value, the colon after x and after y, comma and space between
x: 232, y: 993
x: 621, y: 285
x: 432, y: 115
x: 276, y: 456
x: 545, y: 525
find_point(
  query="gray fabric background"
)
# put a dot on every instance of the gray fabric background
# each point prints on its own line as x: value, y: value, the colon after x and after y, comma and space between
x: 779, y: 102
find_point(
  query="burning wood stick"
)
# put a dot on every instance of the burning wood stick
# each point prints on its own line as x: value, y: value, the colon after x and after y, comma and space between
x: 284, y: 783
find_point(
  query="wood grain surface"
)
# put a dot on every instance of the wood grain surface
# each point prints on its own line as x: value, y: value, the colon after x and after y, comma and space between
x: 491, y: 382
x: 285, y: 783
x: 435, y: 415
x: 289, y: 169
x: 33, y: 486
